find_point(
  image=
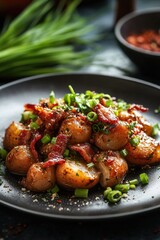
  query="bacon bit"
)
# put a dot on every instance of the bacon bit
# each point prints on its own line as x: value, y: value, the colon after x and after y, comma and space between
x: 54, y: 161
x: 50, y: 118
x: 105, y: 115
x: 34, y: 152
x: 85, y: 150
x: 56, y: 154
x: 25, y: 133
x: 138, y: 107
x: 29, y: 107
x: 61, y: 143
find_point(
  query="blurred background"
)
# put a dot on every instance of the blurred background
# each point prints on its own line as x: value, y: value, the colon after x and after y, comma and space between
x: 89, y: 45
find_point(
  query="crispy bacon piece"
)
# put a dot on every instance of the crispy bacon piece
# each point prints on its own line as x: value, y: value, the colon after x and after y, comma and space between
x: 85, y: 150
x: 50, y: 118
x: 56, y: 154
x: 105, y: 114
x: 34, y: 152
x: 138, y: 107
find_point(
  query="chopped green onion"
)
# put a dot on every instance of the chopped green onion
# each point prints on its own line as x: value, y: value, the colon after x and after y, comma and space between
x: 124, y: 188
x: 124, y: 152
x: 53, y: 190
x: 132, y: 186
x: 51, y: 97
x: 155, y: 130
x: 122, y: 105
x: 134, y: 181
x: 69, y: 98
x: 124, y: 195
x: 66, y: 153
x: 144, y: 178
x: 46, y: 139
x: 71, y: 89
x: 92, y: 116
x: 34, y: 125
x: 134, y: 141
x: 114, y: 196
x: 132, y: 125
x: 81, y: 193
x: 90, y: 165
x: 91, y: 103
x: 109, y: 103
x: 105, y: 193
x: 53, y: 140
x: 28, y: 115
x: 3, y: 153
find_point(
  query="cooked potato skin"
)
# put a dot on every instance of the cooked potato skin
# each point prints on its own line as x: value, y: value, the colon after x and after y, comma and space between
x: 19, y: 160
x: 75, y: 174
x: 145, y: 153
x: 115, y: 139
x: 130, y: 116
x: 112, y: 167
x: 39, y: 179
x: 16, y: 134
x: 77, y: 128
x: 56, y: 138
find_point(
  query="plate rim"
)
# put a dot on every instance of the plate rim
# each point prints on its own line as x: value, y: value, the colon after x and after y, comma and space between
x: 127, y: 78
x: 76, y: 217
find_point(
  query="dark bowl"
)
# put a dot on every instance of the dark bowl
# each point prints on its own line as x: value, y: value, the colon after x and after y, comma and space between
x: 135, y: 23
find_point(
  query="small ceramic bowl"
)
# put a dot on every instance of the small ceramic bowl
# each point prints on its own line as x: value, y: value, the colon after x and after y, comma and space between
x: 136, y: 23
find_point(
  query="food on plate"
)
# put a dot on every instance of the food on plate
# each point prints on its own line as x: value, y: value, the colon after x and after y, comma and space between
x: 80, y: 141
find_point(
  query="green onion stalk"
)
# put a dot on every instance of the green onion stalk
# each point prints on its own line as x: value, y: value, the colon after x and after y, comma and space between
x: 45, y: 39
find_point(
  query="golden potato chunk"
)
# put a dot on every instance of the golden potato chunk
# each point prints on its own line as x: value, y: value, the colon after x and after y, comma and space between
x: 16, y: 134
x: 78, y: 129
x: 19, y: 160
x: 75, y: 174
x: 112, y: 167
x: 39, y: 179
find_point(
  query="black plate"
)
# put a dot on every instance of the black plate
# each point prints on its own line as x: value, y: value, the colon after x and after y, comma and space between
x: 30, y: 90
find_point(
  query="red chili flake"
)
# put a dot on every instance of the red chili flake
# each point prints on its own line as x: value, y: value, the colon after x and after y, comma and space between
x: 59, y: 201
x: 148, y: 40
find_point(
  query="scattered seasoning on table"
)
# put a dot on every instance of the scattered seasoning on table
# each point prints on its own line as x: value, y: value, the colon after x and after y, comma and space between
x: 148, y: 40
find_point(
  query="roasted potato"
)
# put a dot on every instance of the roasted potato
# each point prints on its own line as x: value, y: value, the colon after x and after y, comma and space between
x: 75, y: 174
x: 78, y: 129
x: 112, y: 167
x: 147, y: 151
x: 16, y: 134
x: 19, y: 160
x: 39, y: 179
x: 115, y: 139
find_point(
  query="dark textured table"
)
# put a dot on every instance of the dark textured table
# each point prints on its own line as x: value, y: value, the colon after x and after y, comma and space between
x: 18, y: 225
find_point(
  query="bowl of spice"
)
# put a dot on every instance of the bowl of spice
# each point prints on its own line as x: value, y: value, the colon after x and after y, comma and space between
x: 138, y: 35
